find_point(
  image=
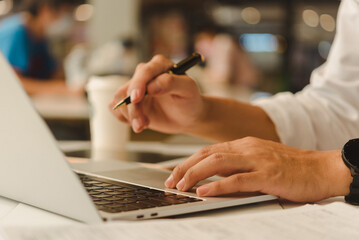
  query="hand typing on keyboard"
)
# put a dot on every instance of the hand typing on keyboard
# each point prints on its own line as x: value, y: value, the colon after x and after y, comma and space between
x: 251, y: 165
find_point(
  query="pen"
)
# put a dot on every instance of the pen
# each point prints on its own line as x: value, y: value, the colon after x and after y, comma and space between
x: 178, y: 69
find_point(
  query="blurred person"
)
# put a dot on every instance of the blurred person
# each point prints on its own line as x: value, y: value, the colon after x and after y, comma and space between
x: 226, y: 62
x: 168, y: 34
x: 300, y: 160
x: 23, y: 41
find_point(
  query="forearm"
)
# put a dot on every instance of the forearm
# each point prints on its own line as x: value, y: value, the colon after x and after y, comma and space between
x: 227, y: 119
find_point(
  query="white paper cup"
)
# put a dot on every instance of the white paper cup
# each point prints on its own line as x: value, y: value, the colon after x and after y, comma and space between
x: 108, y: 135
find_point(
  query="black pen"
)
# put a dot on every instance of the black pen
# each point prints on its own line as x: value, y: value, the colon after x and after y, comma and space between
x: 178, y: 69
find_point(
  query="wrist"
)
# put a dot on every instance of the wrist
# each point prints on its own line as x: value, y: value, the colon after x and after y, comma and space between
x: 202, y: 118
x: 338, y: 173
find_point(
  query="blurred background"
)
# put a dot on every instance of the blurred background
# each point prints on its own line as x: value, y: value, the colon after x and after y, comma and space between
x: 252, y: 48
x: 285, y: 39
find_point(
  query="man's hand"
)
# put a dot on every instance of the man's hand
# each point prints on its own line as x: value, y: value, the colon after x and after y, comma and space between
x: 173, y: 102
x: 254, y: 165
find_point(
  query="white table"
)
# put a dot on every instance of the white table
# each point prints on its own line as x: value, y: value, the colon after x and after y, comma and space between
x: 14, y: 214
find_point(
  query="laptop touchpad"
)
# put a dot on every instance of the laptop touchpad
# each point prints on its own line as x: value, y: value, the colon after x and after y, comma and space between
x: 139, y: 175
x: 144, y: 176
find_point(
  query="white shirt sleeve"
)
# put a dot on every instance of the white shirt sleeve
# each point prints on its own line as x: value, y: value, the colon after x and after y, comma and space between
x: 325, y: 114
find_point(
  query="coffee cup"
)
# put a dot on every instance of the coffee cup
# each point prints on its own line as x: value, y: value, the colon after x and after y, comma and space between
x: 108, y: 135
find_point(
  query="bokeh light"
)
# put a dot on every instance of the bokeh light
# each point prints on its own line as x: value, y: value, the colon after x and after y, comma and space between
x: 84, y: 12
x: 251, y: 15
x: 310, y: 17
x: 5, y: 6
x: 327, y: 22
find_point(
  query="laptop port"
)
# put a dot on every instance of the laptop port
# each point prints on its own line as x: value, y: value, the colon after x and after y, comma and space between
x: 140, y: 216
x: 154, y: 214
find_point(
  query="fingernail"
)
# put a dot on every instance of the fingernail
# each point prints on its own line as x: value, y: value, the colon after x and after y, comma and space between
x: 135, y: 125
x: 135, y: 94
x: 169, y: 181
x: 180, y: 184
x: 202, y: 190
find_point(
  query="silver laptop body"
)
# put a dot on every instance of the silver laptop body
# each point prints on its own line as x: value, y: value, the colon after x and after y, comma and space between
x: 34, y: 171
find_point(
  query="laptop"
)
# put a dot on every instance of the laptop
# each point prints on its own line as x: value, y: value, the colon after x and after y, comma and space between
x: 34, y: 171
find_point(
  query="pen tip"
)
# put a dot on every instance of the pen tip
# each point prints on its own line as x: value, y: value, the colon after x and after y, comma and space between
x: 118, y: 105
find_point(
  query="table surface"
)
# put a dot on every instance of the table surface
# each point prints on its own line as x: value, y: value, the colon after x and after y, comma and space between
x: 13, y: 213
x: 62, y: 107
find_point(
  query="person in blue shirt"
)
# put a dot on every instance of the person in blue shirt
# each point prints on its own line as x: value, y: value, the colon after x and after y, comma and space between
x: 23, y: 41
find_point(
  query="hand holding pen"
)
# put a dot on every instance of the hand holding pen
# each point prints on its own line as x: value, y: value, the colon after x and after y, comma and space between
x: 173, y: 99
x: 178, y: 69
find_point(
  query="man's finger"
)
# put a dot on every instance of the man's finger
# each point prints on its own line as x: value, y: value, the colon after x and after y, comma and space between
x: 137, y: 119
x: 241, y: 182
x: 183, y: 167
x: 123, y: 115
x: 145, y: 73
x: 217, y: 163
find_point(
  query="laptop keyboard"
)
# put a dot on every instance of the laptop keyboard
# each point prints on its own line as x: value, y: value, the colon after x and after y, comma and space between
x: 115, y: 197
